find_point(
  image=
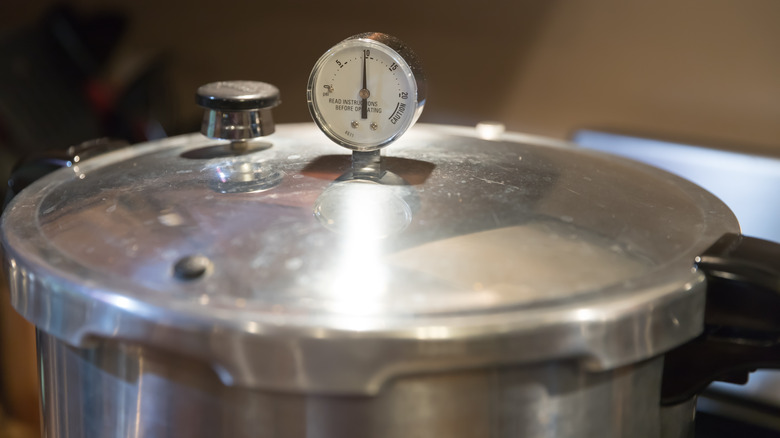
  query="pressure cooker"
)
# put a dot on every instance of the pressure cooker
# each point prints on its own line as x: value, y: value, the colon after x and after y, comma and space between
x: 261, y: 281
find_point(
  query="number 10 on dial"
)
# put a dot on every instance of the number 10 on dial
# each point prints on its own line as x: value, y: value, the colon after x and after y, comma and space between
x: 366, y: 91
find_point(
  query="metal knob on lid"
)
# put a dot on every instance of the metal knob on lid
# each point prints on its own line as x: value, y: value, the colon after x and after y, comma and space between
x: 237, y: 110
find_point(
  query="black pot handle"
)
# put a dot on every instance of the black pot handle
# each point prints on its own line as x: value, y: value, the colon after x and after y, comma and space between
x: 742, y: 319
x: 34, y: 167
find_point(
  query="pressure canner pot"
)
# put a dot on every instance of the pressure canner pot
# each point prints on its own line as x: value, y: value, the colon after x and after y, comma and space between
x: 460, y: 284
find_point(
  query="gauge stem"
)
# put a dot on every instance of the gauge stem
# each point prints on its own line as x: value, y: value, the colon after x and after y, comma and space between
x: 366, y: 163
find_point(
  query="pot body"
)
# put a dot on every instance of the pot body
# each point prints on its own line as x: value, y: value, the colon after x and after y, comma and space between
x: 119, y: 390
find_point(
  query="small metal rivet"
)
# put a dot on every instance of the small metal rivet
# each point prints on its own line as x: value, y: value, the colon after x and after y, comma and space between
x: 354, y: 124
x: 191, y: 267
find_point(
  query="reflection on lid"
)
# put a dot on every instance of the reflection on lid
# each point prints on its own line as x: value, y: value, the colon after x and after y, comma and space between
x: 244, y: 177
x: 367, y: 201
x: 365, y: 205
x: 363, y: 208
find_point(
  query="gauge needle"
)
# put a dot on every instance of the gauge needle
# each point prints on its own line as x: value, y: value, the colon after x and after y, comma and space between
x: 364, y: 93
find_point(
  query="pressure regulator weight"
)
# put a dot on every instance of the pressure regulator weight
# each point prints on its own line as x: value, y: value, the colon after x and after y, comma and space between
x: 366, y: 91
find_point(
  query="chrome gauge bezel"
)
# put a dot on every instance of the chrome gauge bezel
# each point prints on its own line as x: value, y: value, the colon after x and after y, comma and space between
x: 408, y: 64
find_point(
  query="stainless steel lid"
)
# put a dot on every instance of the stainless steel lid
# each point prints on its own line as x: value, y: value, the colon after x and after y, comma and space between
x: 285, y: 268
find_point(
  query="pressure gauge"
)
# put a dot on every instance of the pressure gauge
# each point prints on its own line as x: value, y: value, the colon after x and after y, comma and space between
x: 366, y: 91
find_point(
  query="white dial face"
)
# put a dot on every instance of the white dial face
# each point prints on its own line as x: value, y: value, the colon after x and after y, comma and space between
x: 362, y: 94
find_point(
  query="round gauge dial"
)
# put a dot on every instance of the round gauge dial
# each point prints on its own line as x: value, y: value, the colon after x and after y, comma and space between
x: 366, y: 91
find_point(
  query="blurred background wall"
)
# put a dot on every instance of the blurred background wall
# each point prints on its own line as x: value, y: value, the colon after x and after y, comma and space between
x: 705, y: 72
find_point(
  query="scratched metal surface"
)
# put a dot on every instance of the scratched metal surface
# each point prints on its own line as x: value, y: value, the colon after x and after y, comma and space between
x: 458, y: 239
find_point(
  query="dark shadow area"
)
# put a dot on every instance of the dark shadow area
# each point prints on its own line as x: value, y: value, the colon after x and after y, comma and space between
x: 58, y: 90
x: 225, y: 150
x: 332, y: 167
x: 714, y: 426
